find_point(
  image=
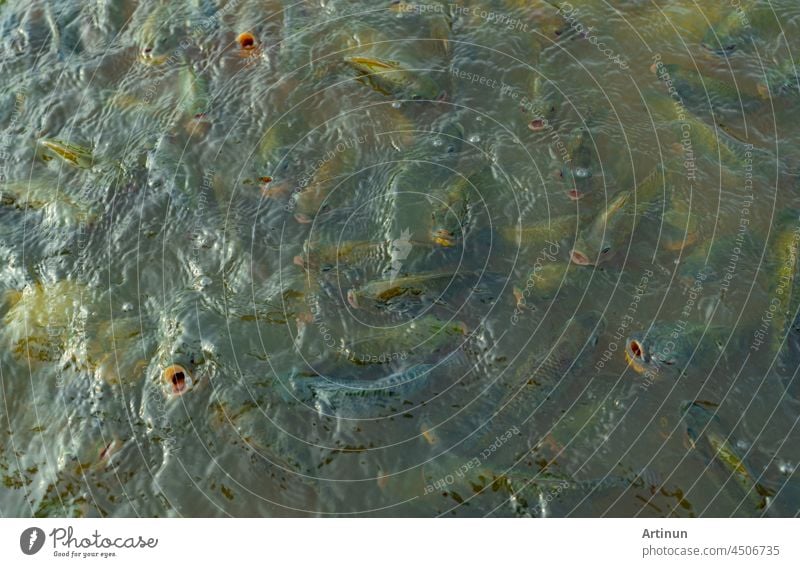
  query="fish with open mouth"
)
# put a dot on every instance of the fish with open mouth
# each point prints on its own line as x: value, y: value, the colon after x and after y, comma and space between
x: 580, y: 166
x: 669, y: 347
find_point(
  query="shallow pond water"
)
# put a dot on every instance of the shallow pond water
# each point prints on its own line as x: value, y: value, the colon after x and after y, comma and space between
x: 492, y: 258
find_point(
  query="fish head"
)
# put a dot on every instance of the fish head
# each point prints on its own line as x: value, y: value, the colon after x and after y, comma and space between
x: 424, y: 88
x: 578, y: 180
x: 587, y: 253
x: 651, y: 352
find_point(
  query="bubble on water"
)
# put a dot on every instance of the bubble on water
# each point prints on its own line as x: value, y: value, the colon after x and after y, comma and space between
x: 203, y: 282
x: 582, y: 172
x: 742, y: 445
x: 786, y: 468
x: 438, y: 142
x: 397, y: 104
x: 474, y: 139
x: 127, y: 307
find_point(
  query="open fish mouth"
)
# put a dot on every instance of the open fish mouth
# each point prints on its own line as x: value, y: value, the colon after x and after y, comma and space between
x: 178, y: 379
x: 637, y: 356
x: 580, y: 258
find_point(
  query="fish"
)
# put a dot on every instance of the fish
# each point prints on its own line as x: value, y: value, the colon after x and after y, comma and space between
x: 391, y: 78
x: 322, y: 257
x: 715, y: 140
x: 781, y: 80
x: 544, y: 281
x: 541, y: 234
x: 362, y: 399
x: 542, y: 102
x: 382, y: 291
x: 50, y: 195
x: 421, y: 337
x: 784, y: 261
x: 668, y: 347
x: 612, y: 229
x: 707, y: 434
x: 681, y: 225
x: 579, y: 167
x: 115, y: 351
x: 42, y: 318
x: 451, y: 206
x: 73, y: 154
x: 535, y: 376
x: 155, y: 38
x: 311, y: 199
x: 703, y: 94
x: 732, y: 31
x: 195, y: 99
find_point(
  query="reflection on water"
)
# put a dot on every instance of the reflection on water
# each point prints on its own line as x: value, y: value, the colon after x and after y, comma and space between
x: 263, y: 257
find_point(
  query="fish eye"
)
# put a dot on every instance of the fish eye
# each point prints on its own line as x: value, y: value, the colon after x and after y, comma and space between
x: 605, y: 250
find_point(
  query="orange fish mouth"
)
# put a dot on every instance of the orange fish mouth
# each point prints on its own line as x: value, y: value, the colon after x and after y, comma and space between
x: 635, y: 355
x: 580, y: 258
x: 178, y: 378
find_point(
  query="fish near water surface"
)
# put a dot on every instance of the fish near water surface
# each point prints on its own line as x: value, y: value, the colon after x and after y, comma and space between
x: 610, y: 232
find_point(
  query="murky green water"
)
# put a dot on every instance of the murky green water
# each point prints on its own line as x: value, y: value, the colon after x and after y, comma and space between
x: 401, y: 259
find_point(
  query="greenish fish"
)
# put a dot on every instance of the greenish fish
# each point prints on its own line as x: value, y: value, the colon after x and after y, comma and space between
x: 613, y: 227
x: 707, y: 434
x: 391, y: 78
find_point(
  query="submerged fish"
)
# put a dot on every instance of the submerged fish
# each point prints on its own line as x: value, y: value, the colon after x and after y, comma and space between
x: 73, y: 154
x: 580, y: 164
x: 613, y: 227
x: 385, y: 290
x: 542, y: 234
x: 701, y: 93
x: 781, y: 79
x: 362, y: 399
x: 451, y: 206
x: 706, y: 434
x: 311, y: 199
x: 733, y: 30
x: 50, y: 196
x: 155, y: 35
x: 321, y: 257
x: 544, y: 281
x: 538, y: 375
x: 391, y: 78
x: 681, y: 225
x: 784, y: 262
x: 41, y: 320
x: 195, y: 98
x: 419, y: 338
